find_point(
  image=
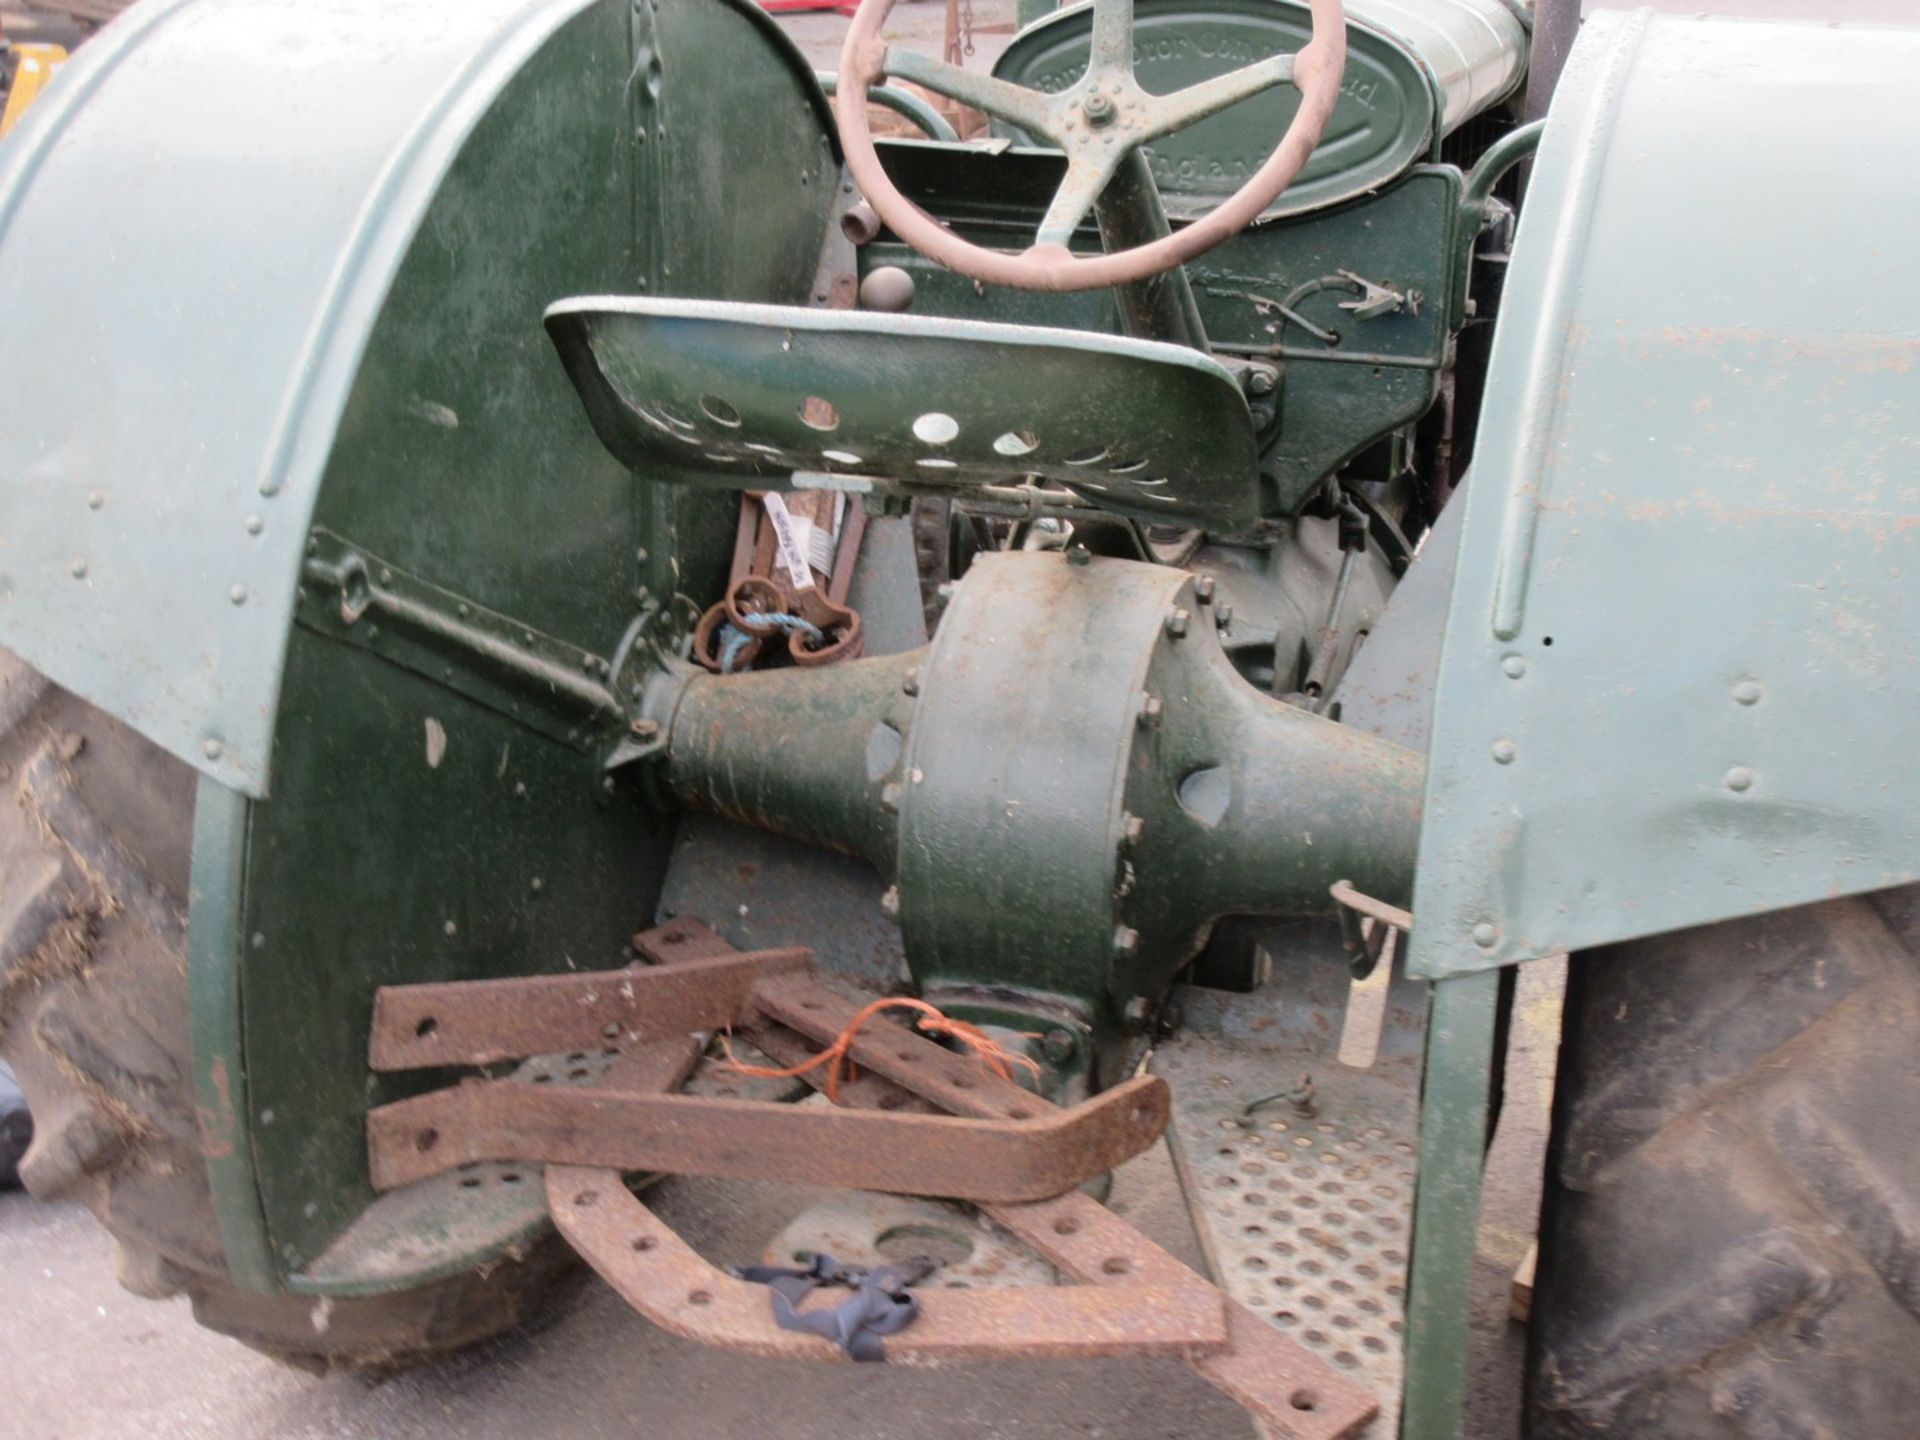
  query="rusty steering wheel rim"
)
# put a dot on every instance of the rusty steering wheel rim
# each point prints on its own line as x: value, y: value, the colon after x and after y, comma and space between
x: 1098, y: 121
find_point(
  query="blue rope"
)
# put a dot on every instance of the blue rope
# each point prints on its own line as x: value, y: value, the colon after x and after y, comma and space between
x: 734, y: 640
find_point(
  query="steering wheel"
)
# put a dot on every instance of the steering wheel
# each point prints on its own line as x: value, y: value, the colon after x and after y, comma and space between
x: 1098, y: 121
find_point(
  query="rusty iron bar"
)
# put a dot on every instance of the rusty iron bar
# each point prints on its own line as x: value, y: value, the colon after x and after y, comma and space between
x: 942, y: 1155
x: 1293, y: 1392
x: 1139, y: 1299
x: 662, y: 1277
x: 667, y: 1281
x: 480, y: 1022
x: 679, y: 941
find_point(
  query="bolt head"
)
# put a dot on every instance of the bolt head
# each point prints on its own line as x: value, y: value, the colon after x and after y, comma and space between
x: 1098, y: 109
x: 1126, y: 942
x: 1747, y: 692
x: 1137, y: 1013
x: 910, y: 682
x: 890, y: 902
x: 1504, y: 752
x: 1079, y: 555
x: 1486, y: 934
x: 1203, y: 587
x: 1514, y: 666
x: 645, y: 731
x: 1151, y: 708
x: 1739, y: 779
x: 1059, y: 1046
x: 1177, y: 619
x: 1223, y: 618
x: 1134, y: 829
x: 890, y: 798
x: 1261, y: 381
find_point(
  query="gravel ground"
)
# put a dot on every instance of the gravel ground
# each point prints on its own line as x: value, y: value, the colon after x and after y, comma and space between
x: 79, y: 1357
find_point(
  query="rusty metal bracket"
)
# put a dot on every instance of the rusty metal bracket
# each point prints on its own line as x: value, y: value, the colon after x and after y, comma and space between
x: 915, y: 1117
x: 1018, y: 1149
x: 481, y: 1022
x: 662, y: 1277
x: 941, y: 1155
x: 1293, y: 1392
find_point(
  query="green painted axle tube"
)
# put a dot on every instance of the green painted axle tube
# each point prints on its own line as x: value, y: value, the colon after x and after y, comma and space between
x: 1065, y: 790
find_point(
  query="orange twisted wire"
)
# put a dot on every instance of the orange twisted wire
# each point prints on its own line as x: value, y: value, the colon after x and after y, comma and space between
x: 988, y: 1051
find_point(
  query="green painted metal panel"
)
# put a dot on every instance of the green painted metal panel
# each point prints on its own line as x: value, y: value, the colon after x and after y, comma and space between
x: 420, y: 828
x: 1680, y: 669
x: 214, y: 944
x: 1455, y: 1092
x: 236, y: 183
x: 1415, y: 72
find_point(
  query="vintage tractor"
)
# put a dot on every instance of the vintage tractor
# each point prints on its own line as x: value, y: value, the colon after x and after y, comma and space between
x: 565, y: 596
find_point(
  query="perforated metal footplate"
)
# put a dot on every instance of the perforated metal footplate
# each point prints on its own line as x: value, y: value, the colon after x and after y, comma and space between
x: 1305, y: 1219
x: 680, y: 389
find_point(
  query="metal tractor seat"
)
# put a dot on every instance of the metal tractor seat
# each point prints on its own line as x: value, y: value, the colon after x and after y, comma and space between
x: 744, y: 395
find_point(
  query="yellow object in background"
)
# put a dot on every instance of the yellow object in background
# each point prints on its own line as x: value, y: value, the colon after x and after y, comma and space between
x: 35, y: 68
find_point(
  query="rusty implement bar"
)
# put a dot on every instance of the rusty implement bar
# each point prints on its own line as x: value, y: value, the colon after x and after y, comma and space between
x: 662, y: 1277
x: 479, y: 1022
x: 966, y: 1159
x: 1294, y: 1393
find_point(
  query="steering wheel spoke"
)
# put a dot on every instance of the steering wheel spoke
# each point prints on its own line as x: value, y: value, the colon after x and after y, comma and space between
x: 1112, y: 47
x: 1209, y: 97
x: 1031, y: 110
x: 1089, y: 169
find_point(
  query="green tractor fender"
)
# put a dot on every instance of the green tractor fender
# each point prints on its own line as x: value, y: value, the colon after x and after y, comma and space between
x: 1678, y: 666
x: 307, y: 363
x: 1679, y: 658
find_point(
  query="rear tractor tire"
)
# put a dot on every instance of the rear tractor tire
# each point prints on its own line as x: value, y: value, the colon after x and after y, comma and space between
x: 95, y: 844
x: 1730, y: 1243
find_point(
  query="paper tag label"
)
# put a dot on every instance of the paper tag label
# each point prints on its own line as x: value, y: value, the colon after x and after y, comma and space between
x: 793, y: 550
